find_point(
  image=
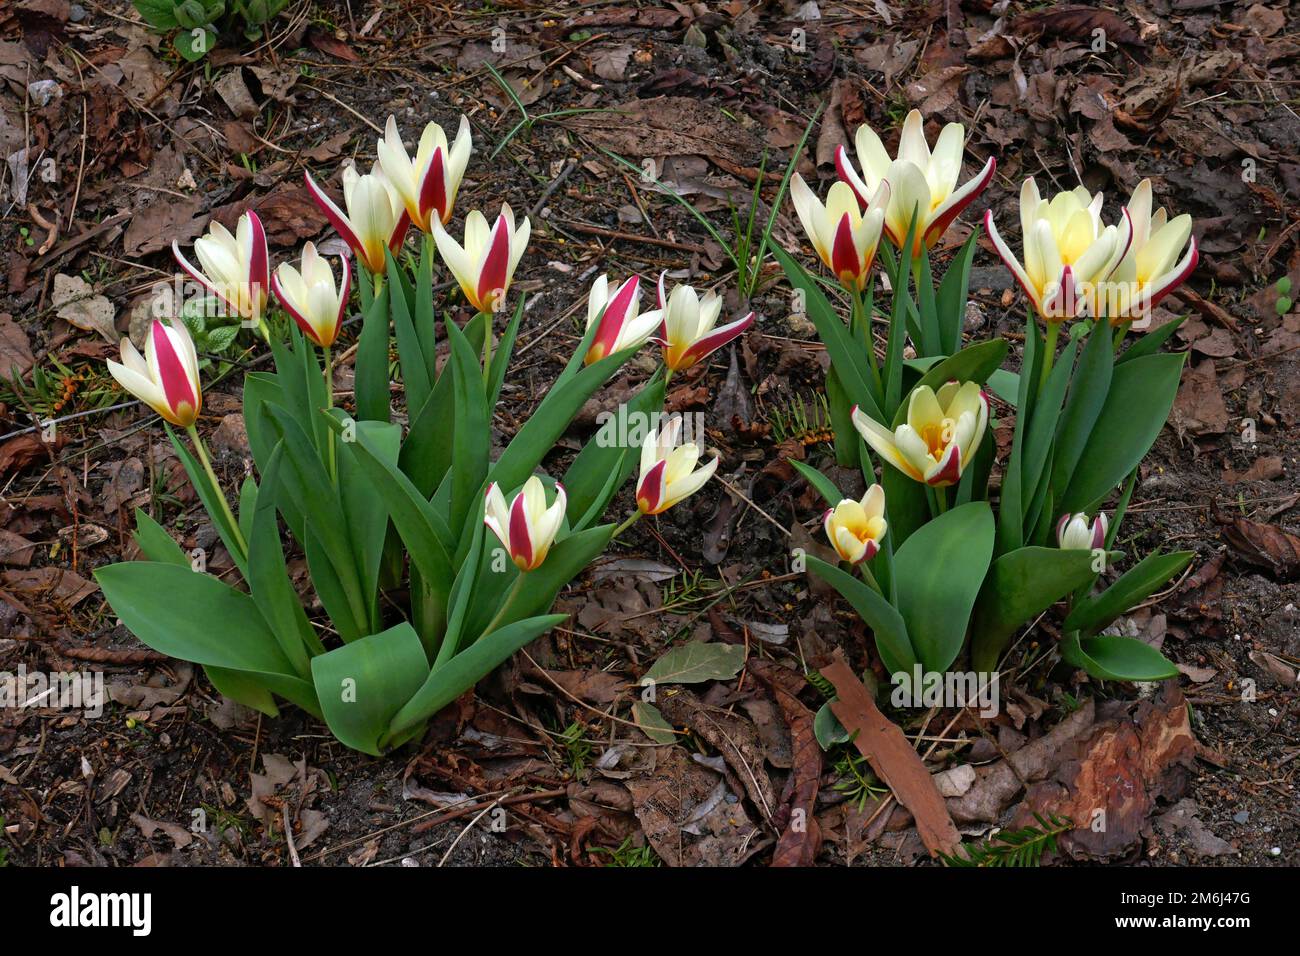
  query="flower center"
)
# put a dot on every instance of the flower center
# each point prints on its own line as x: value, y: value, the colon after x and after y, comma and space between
x: 937, y: 436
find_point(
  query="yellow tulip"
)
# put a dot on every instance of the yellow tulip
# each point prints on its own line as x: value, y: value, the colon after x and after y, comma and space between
x: 856, y: 528
x: 939, y: 437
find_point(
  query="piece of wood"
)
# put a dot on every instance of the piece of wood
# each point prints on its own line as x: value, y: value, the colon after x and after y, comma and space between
x: 892, y: 758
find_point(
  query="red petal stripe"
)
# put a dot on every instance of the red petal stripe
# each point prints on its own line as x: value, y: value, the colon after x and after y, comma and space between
x: 845, y: 262
x: 843, y: 169
x: 521, y: 543
x: 940, y: 225
x: 433, y: 191
x: 651, y: 490
x: 492, y: 277
x: 715, y: 340
x: 338, y: 220
x: 175, y: 381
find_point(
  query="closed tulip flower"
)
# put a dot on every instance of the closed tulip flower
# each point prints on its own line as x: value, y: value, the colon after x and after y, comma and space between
x: 668, y: 473
x: 689, y: 333
x: 428, y: 183
x: 1068, y: 250
x: 310, y: 296
x: 856, y: 528
x: 526, y: 526
x: 235, y: 268
x: 166, y: 377
x: 919, y: 180
x: 622, y: 325
x: 1074, y: 532
x: 939, y: 437
x: 486, y: 263
x: 845, y: 234
x: 374, y: 221
x: 1151, y: 267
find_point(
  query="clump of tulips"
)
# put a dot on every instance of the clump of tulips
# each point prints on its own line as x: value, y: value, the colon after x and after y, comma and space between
x: 937, y: 560
x: 432, y: 561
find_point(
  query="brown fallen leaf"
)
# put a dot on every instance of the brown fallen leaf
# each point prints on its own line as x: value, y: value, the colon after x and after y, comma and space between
x: 58, y: 585
x: 1265, y: 545
x: 1075, y: 23
x: 891, y: 757
x: 15, y: 349
x: 801, y: 837
x: 289, y: 215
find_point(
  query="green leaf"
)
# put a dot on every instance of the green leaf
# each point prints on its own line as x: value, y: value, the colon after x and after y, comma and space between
x: 1011, y: 506
x: 1117, y: 658
x: 905, y: 503
x: 212, y: 498
x: 1141, y: 394
x: 463, y: 671
x: 1150, y: 343
x: 975, y: 363
x: 953, y: 294
x: 888, y: 626
x: 159, y: 14
x: 827, y: 728
x: 156, y: 544
x: 415, y: 365
x: 824, y: 486
x: 243, y: 688
x: 938, y: 573
x: 1038, y: 436
x: 366, y: 512
x: 372, y: 381
x: 195, y: 44
x: 470, y: 444
x: 362, y: 685
x: 652, y: 723
x: 695, y: 663
x: 1021, y: 584
x: 566, y: 559
x: 1133, y: 587
x: 1088, y: 391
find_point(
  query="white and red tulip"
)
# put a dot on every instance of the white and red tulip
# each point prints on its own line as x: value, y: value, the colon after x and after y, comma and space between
x: 374, y: 221
x: 486, y: 263
x: 311, y: 297
x: 622, y: 325
x: 1073, y: 532
x: 668, y: 473
x: 236, y: 268
x: 939, y: 437
x: 1068, y: 250
x: 919, y: 181
x: 166, y: 377
x: 525, y: 526
x: 856, y: 528
x: 845, y: 234
x: 689, y: 333
x: 427, y: 184
x: 1151, y: 267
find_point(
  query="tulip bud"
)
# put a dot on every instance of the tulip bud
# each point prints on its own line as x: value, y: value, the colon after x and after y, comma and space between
x: 236, y: 268
x: 375, y: 220
x: 526, y: 527
x: 668, y: 473
x: 687, y: 334
x: 311, y: 297
x: 166, y: 377
x: 621, y: 325
x: 428, y: 183
x: 940, y: 436
x: 846, y: 238
x: 486, y: 263
x: 1074, y: 533
x: 856, y: 528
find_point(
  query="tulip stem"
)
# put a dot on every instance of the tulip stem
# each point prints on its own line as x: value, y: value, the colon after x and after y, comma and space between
x: 505, y: 605
x: 1120, y: 331
x: 329, y: 404
x: 1049, y: 353
x: 206, y: 462
x: 487, y: 347
x: 631, y: 520
x: 870, y: 578
x: 859, y: 306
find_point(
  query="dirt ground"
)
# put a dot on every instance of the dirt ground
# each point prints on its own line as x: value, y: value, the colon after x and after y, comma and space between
x: 123, y: 147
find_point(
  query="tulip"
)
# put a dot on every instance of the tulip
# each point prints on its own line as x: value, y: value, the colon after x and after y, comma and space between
x: 1068, y: 250
x: 1073, y: 532
x: 621, y: 325
x: 166, y: 377
x: 375, y: 219
x: 845, y: 236
x: 668, y: 473
x: 486, y: 263
x: 940, y: 436
x: 856, y: 528
x: 428, y: 184
x: 687, y: 334
x: 921, y: 182
x: 526, y: 527
x: 236, y: 268
x: 311, y: 297
x: 1150, y: 268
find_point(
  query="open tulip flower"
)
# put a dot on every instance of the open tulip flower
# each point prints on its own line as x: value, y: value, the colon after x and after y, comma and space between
x: 486, y: 263
x: 688, y: 333
x: 621, y: 324
x: 375, y: 219
x: 939, y: 437
x: 1151, y: 267
x: 526, y: 527
x: 166, y: 377
x: 236, y: 268
x: 1068, y: 250
x: 310, y: 296
x: 856, y: 528
x: 668, y: 473
x: 1074, y: 532
x: 845, y: 234
x: 919, y: 181
x: 428, y: 183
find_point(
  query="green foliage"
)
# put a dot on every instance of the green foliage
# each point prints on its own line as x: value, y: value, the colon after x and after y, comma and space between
x: 390, y: 521
x: 200, y: 23
x: 1024, y: 847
